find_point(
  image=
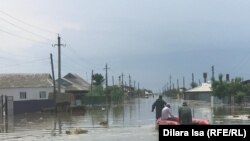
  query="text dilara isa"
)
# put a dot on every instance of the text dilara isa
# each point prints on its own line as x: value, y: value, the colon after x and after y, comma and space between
x: 173, y: 132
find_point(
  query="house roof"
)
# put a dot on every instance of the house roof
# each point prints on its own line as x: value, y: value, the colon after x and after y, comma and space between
x: 25, y: 80
x: 246, y: 82
x: 204, y: 87
x: 75, y: 82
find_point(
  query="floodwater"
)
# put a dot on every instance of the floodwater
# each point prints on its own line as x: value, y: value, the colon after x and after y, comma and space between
x: 131, y: 120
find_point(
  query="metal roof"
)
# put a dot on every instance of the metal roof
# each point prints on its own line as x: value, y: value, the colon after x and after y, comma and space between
x: 25, y: 80
x: 75, y: 82
x: 204, y: 87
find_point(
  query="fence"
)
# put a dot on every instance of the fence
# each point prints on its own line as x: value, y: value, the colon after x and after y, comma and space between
x: 6, y: 113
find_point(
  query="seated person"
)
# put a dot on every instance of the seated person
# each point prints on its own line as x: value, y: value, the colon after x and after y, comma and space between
x: 185, y: 114
x: 167, y: 113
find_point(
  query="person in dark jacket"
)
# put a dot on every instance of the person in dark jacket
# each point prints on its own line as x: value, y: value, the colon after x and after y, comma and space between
x: 185, y: 114
x: 158, y: 105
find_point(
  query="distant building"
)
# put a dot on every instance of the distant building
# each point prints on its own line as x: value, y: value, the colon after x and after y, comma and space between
x: 202, y: 92
x: 75, y: 85
x: 29, y: 91
x: 245, y: 82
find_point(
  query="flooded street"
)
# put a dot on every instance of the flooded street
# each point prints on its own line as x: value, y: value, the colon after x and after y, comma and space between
x: 131, y: 120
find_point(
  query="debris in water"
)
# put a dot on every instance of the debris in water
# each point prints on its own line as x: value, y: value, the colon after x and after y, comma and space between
x: 76, y: 131
x: 104, y: 123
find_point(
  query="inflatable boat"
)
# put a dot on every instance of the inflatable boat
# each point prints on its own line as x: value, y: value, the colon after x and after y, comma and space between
x: 175, y: 121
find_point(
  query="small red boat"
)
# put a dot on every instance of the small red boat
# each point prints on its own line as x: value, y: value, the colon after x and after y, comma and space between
x: 175, y: 121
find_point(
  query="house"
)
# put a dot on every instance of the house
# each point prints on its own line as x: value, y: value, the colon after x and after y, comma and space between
x: 30, y: 92
x: 75, y: 85
x: 202, y: 92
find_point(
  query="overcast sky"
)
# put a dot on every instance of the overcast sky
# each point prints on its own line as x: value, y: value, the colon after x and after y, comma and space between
x: 148, y: 39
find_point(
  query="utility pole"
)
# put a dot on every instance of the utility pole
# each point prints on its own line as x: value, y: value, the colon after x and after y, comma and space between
x: 178, y: 85
x: 59, y: 62
x: 167, y: 86
x: 53, y: 77
x: 122, y: 82
x: 183, y: 81
x: 134, y: 84
x: 129, y: 81
x: 192, y: 77
x: 138, y: 85
x: 170, y: 77
x: 213, y: 78
x: 91, y: 86
x: 106, y: 68
x: 113, y: 81
x: 119, y: 79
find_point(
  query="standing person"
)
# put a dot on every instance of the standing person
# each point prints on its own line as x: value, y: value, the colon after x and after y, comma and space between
x: 158, y: 105
x: 167, y: 113
x: 185, y: 114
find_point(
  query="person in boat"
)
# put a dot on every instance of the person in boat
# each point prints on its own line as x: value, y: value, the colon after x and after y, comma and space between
x: 166, y: 113
x: 158, y: 105
x: 185, y: 114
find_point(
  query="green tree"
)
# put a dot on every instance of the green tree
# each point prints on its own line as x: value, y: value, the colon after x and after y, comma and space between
x: 97, y: 79
x: 220, y: 89
x: 115, y: 92
x: 221, y: 78
x: 231, y: 88
x: 96, y: 91
x: 239, y: 97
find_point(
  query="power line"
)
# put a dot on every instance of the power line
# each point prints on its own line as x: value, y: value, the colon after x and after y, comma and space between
x: 72, y: 58
x: 24, y: 29
x: 21, y: 36
x: 30, y: 59
x: 42, y: 29
x: 75, y: 54
x: 18, y: 64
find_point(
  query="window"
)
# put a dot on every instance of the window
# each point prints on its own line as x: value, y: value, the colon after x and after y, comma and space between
x: 42, y: 94
x: 22, y: 95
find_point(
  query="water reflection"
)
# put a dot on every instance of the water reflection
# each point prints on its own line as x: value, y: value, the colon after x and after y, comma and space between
x: 57, y: 129
x: 219, y: 114
x: 131, y: 120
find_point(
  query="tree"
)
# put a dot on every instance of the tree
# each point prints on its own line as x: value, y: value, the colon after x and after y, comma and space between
x: 97, y: 79
x: 220, y: 88
x: 220, y: 78
x: 115, y: 92
x: 97, y: 91
x: 193, y: 84
x: 233, y: 88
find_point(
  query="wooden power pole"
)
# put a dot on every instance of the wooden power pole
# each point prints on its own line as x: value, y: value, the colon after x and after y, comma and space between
x: 59, y: 62
x: 53, y: 77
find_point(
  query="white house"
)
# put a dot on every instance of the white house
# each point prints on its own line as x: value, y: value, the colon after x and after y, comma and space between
x: 202, y: 92
x: 30, y: 91
x: 26, y: 86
